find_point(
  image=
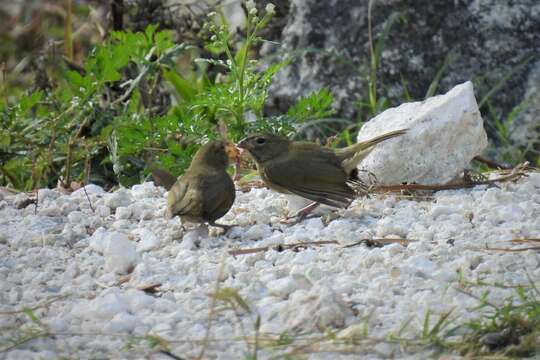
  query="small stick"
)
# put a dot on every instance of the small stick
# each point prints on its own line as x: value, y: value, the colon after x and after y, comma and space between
x: 87, y: 167
x: 36, y: 202
x: 522, y: 241
x: 281, y: 247
x: 491, y: 163
x: 516, y: 173
x: 88, y: 198
x: 505, y: 249
x: 171, y: 355
x: 380, y: 242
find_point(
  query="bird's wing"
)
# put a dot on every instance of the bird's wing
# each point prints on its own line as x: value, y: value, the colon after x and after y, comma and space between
x: 219, y: 194
x: 185, y: 198
x: 313, y: 177
x: 162, y: 177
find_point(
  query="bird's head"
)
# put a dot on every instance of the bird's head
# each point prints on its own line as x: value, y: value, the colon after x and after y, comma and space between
x: 264, y: 147
x: 216, y: 153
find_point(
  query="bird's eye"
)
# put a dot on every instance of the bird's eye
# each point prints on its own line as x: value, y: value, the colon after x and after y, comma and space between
x: 261, y: 140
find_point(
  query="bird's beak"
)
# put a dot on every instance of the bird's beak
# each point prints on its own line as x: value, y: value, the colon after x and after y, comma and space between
x: 232, y: 152
x: 244, y: 145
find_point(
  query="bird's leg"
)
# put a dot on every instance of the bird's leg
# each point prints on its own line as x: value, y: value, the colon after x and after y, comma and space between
x: 301, y: 214
x: 224, y: 227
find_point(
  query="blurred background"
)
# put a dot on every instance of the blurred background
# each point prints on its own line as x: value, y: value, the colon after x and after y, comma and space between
x: 95, y: 91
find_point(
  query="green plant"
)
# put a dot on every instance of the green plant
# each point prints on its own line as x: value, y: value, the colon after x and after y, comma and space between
x: 511, y: 328
x: 59, y: 135
x: 502, y: 125
x: 231, y: 102
x: 105, y: 120
x: 505, y: 330
x: 238, y: 95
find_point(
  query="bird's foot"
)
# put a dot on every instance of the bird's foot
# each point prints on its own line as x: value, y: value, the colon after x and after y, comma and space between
x: 300, y: 215
x: 225, y: 228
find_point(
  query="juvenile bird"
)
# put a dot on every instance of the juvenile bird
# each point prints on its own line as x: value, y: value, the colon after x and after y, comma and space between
x: 162, y: 177
x: 205, y: 192
x: 310, y: 170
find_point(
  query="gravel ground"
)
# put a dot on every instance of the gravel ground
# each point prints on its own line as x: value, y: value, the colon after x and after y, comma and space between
x: 89, y: 266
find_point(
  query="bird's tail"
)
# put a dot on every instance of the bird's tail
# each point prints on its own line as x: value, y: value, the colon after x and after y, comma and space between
x: 162, y: 177
x: 352, y: 155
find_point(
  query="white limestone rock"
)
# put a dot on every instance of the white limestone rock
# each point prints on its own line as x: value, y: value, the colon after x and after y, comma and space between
x: 121, y: 197
x: 47, y: 194
x: 149, y: 240
x: 445, y: 133
x: 123, y: 213
x: 319, y: 309
x: 281, y: 287
x: 106, y: 306
x: 89, y: 189
x: 313, y: 290
x: 120, y: 253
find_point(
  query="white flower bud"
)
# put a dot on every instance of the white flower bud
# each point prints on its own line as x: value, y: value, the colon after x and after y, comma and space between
x: 270, y: 8
x: 250, y: 4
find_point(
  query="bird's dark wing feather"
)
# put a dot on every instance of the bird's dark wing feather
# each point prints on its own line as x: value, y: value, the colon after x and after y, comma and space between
x: 185, y: 198
x: 316, y: 177
x: 219, y: 195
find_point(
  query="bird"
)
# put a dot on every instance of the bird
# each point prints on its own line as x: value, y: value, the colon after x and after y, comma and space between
x: 205, y: 192
x: 162, y: 177
x: 317, y: 173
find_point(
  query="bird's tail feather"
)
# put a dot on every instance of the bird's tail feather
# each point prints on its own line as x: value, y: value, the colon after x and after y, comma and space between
x: 352, y: 155
x: 162, y: 177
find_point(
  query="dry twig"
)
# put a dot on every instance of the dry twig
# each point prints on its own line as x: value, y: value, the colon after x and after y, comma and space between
x: 380, y: 242
x: 525, y: 241
x: 282, y: 247
x: 537, y: 248
x: 512, y: 175
x: 514, y: 241
x: 492, y: 163
x: 88, y: 198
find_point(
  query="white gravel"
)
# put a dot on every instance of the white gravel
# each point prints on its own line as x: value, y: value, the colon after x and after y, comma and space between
x: 100, y: 260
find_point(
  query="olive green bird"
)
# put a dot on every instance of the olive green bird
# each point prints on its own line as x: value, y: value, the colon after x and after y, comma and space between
x: 320, y: 174
x: 205, y: 192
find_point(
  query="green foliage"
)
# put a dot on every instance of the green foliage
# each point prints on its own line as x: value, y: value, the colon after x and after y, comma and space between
x: 238, y: 94
x: 503, y: 330
x: 57, y: 135
x: 501, y: 124
x: 315, y: 106
x: 231, y: 297
x: 511, y: 328
x: 102, y: 122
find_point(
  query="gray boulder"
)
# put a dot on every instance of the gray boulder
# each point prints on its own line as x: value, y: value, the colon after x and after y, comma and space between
x: 483, y: 40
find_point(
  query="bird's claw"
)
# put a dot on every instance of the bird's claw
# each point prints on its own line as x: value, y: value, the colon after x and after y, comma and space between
x: 300, y: 214
x: 225, y: 228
